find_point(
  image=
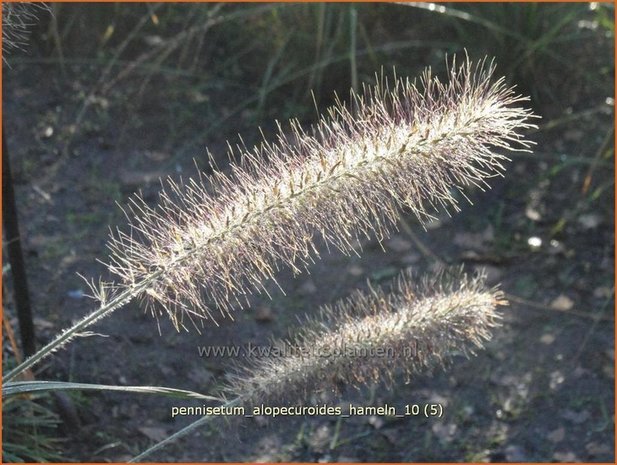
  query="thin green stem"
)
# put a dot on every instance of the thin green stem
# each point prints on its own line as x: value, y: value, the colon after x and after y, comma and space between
x: 184, y: 431
x: 65, y: 336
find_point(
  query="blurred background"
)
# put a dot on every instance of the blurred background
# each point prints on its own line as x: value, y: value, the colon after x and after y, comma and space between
x: 102, y: 100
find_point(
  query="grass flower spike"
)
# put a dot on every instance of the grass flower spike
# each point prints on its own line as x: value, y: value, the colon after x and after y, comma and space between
x: 395, y: 145
x: 369, y: 337
x: 413, y: 327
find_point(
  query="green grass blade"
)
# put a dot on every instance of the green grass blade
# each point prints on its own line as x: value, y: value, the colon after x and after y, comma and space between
x: 23, y: 387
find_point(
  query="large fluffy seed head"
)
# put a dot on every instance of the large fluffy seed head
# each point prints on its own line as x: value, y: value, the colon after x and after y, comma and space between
x: 401, y: 145
x: 375, y: 336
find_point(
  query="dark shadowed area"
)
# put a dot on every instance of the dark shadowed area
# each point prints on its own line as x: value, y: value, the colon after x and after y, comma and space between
x: 101, y: 101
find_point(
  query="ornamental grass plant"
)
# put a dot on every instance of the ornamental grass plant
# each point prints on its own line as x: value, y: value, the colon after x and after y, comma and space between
x: 209, y: 243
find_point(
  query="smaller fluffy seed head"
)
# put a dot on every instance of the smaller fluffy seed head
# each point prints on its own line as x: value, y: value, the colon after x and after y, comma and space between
x: 413, y: 327
x: 394, y: 146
